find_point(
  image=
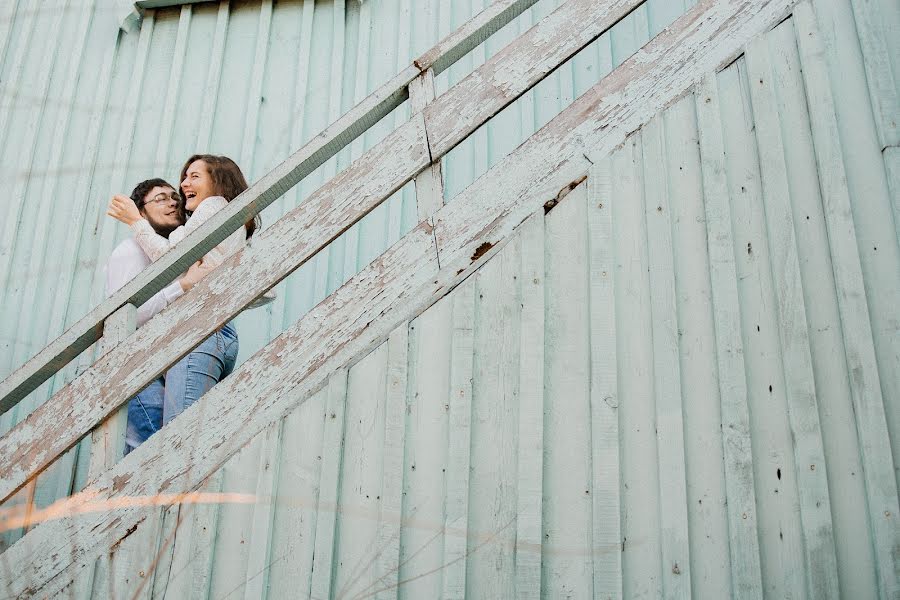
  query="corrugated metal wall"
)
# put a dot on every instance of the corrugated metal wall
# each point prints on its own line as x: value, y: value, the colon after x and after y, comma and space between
x: 680, y: 382
x: 99, y: 110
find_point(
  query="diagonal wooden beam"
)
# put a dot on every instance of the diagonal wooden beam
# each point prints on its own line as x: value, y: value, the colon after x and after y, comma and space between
x: 335, y: 137
x: 400, y: 284
x: 60, y: 422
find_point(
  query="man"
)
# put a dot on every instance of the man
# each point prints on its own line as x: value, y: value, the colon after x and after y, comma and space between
x: 160, y: 205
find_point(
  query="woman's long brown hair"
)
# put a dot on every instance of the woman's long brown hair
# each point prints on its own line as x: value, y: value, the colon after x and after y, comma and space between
x: 227, y: 178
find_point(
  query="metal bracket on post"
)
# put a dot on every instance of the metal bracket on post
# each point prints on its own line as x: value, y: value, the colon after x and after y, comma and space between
x: 108, y: 439
x: 430, y: 182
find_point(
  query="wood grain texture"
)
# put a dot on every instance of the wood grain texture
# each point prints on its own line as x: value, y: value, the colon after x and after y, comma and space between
x: 402, y: 282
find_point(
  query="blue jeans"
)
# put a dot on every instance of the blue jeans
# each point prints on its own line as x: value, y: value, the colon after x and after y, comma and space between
x: 196, y: 373
x: 145, y: 415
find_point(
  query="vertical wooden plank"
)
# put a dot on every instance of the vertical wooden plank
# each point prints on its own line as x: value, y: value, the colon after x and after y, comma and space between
x: 780, y: 534
x: 666, y: 369
x: 701, y: 404
x: 259, y: 554
x: 356, y: 541
x: 531, y: 410
x: 29, y: 11
x: 251, y: 122
x: 167, y: 124
x: 213, y: 76
x: 108, y: 440
x: 299, y: 283
x: 847, y: 498
x: 425, y: 456
x: 567, y: 506
x: 390, y: 521
x: 736, y: 444
x: 233, y: 528
x: 456, y: 507
x: 490, y: 561
x: 327, y: 506
x: 606, y: 513
x: 349, y: 241
x: 430, y: 182
x: 7, y: 18
x: 870, y: 203
x: 793, y: 337
x: 299, y: 474
x: 877, y: 29
x: 858, y: 337
x: 892, y: 166
x: 640, y: 520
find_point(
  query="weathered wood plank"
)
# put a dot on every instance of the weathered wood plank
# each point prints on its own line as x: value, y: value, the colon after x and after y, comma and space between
x: 707, y: 502
x: 732, y: 384
x: 303, y: 162
x: 800, y: 391
x: 530, y: 462
x: 328, y: 504
x: 356, y: 539
x: 456, y: 504
x: 259, y: 552
x: 108, y: 440
x: 605, y: 476
x: 666, y: 371
x: 877, y: 29
x: 782, y: 550
x: 865, y: 385
x: 640, y: 528
x: 870, y: 202
x: 430, y: 182
x: 426, y: 419
x: 846, y: 486
x: 567, y: 562
x: 390, y: 515
x: 491, y: 531
x: 401, y: 283
x: 299, y: 471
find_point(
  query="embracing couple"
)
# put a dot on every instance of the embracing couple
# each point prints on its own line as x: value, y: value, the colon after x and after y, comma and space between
x: 159, y: 216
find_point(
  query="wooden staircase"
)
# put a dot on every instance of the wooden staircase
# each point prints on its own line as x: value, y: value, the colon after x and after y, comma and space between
x: 446, y: 247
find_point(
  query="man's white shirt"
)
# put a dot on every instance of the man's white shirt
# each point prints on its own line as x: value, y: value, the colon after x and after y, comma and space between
x: 125, y: 262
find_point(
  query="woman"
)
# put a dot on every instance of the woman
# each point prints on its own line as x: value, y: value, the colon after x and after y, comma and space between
x: 208, y: 183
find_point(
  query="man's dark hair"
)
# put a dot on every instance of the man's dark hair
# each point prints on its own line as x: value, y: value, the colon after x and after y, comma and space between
x: 140, y: 191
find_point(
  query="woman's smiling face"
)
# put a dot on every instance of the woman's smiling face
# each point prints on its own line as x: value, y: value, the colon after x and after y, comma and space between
x: 197, y: 185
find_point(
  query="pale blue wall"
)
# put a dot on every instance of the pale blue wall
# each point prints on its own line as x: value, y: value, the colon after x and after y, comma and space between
x: 101, y: 109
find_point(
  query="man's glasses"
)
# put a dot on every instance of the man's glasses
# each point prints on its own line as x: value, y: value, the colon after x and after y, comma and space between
x: 160, y: 198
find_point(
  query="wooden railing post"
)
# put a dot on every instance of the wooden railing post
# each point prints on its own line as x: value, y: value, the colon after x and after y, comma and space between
x: 430, y: 182
x: 108, y: 439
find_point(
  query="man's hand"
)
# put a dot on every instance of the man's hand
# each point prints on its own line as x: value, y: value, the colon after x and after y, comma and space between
x: 122, y: 208
x: 195, y: 273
